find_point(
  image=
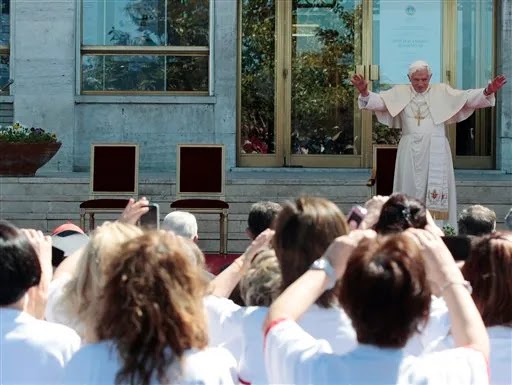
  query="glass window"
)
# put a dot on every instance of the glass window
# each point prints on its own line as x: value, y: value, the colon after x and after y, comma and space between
x: 5, y: 26
x: 145, y: 46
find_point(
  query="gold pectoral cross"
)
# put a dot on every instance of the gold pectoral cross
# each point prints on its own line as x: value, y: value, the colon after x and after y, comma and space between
x: 418, y: 116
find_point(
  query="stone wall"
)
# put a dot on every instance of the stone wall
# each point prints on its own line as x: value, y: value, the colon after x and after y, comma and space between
x: 46, y: 201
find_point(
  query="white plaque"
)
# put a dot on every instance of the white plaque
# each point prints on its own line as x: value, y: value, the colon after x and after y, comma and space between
x: 409, y: 31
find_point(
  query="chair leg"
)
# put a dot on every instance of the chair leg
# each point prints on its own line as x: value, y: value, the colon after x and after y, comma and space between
x: 91, y: 222
x: 223, y: 233
x: 82, y: 220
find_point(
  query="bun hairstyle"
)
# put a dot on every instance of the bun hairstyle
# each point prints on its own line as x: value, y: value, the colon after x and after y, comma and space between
x: 399, y: 213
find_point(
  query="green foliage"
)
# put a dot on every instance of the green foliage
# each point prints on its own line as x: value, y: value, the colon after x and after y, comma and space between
x: 322, y: 96
x: 18, y: 133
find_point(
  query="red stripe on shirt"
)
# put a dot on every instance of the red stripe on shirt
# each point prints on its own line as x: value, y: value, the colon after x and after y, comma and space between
x: 243, y: 382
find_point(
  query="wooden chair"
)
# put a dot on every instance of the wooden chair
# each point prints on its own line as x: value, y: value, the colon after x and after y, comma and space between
x: 114, y: 173
x: 383, y: 170
x: 200, y: 179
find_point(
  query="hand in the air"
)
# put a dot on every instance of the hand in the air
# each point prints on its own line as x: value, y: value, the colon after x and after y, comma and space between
x: 360, y: 83
x: 496, y: 84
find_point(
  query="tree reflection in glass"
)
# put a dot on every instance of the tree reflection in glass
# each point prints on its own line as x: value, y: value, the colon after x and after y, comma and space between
x: 139, y: 23
x: 257, y: 78
x: 323, y: 53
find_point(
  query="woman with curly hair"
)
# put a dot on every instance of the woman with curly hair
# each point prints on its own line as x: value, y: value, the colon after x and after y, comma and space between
x: 150, y: 321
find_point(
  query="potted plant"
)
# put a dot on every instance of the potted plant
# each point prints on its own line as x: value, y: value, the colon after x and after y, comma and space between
x: 23, y: 149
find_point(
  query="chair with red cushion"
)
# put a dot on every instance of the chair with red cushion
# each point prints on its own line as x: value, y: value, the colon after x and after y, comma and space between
x: 114, y: 174
x: 200, y: 184
x: 383, y: 170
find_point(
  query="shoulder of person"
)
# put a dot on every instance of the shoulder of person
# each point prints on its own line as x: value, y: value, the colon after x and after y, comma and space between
x: 458, y: 365
x: 209, y: 365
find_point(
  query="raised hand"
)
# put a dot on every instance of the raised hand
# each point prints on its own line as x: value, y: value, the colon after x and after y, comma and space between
x: 42, y: 245
x: 360, y: 83
x: 341, y: 248
x: 496, y: 83
x: 134, y: 210
x: 260, y: 243
x: 439, y: 263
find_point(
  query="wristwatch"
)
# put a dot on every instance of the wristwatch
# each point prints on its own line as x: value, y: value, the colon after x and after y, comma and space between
x: 323, y: 264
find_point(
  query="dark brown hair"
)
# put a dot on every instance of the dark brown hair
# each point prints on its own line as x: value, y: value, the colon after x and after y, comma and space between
x: 304, y: 229
x: 489, y: 270
x: 151, y: 306
x: 385, y: 292
x: 400, y: 212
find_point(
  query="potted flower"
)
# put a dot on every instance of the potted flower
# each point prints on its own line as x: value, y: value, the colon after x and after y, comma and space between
x: 23, y: 149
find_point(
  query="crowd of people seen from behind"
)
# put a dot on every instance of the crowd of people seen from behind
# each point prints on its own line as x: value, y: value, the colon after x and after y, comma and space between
x: 378, y: 296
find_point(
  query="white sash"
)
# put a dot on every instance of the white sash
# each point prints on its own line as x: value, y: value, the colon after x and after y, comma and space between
x: 437, y: 185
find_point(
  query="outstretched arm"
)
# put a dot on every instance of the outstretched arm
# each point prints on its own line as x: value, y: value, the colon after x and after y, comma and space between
x: 479, y: 99
x: 367, y: 100
x: 498, y: 82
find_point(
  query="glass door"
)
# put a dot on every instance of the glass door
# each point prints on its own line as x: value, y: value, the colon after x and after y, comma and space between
x: 297, y: 107
x: 325, y: 40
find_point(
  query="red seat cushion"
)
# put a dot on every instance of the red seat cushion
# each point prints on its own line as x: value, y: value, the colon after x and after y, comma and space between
x: 104, y: 204
x: 199, y: 204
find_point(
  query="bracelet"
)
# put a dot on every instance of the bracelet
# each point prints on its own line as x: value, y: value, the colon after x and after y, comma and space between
x: 466, y: 284
x: 487, y: 93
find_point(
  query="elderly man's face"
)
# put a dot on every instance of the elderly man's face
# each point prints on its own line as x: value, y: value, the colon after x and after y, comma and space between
x: 420, y: 80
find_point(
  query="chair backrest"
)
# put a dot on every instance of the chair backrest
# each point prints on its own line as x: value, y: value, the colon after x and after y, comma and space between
x: 384, y: 157
x: 200, y: 170
x: 114, y: 169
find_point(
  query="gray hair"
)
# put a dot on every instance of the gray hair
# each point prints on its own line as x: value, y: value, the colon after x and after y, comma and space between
x: 477, y: 220
x: 261, y: 284
x: 418, y: 66
x: 182, y: 223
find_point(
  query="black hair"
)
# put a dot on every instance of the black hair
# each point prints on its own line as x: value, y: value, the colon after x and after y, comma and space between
x: 399, y: 213
x: 261, y: 216
x: 19, y: 264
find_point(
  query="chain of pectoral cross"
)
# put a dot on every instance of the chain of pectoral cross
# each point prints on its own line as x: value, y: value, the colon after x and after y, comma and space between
x: 420, y: 113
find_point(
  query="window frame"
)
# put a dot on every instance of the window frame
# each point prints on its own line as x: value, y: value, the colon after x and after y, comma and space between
x: 122, y: 50
x: 5, y: 50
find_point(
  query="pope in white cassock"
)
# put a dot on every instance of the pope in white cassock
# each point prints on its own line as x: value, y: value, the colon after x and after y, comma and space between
x: 424, y: 168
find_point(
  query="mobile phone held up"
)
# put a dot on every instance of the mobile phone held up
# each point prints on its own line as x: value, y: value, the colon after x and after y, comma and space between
x: 151, y: 219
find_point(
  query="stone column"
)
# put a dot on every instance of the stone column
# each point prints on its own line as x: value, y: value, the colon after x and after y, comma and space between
x: 43, y: 59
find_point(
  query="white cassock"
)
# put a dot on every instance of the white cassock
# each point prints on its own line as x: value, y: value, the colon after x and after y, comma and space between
x: 424, y: 167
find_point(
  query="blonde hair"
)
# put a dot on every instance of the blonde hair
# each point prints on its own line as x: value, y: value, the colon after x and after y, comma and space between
x: 262, y: 282
x: 82, y: 290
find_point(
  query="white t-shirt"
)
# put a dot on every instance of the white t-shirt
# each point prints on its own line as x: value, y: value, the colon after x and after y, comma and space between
x: 231, y: 325
x: 292, y: 356
x: 436, y: 328
x: 33, y: 351
x: 500, y: 362
x: 98, y: 364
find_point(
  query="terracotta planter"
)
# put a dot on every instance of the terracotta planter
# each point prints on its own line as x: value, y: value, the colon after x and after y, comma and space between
x: 24, y: 159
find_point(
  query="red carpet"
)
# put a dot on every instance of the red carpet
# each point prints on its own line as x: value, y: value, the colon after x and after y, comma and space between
x: 216, y: 262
